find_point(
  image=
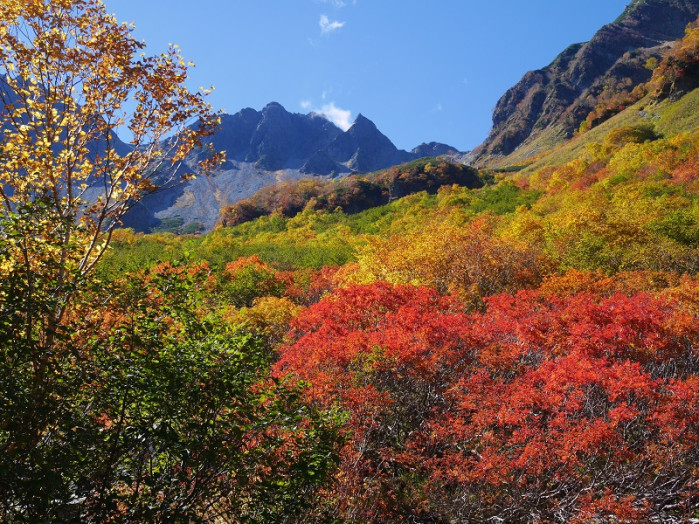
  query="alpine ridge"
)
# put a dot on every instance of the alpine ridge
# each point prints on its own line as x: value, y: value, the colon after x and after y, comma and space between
x: 549, y: 104
x: 266, y: 147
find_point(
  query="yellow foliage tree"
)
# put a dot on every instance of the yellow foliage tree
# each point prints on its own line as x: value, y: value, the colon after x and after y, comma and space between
x: 71, y: 76
x: 269, y: 317
x: 469, y: 262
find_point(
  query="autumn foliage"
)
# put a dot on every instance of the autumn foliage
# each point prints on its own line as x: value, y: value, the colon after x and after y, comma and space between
x: 468, y: 262
x: 540, y: 407
x: 128, y: 400
x: 424, y: 344
x: 353, y: 193
x: 521, y: 352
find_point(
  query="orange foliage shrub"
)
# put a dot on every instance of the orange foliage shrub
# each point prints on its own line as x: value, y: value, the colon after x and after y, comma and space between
x: 246, y: 279
x: 308, y: 286
x: 572, y: 407
x: 574, y: 281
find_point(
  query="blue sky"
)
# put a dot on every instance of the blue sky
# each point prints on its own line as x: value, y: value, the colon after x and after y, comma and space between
x: 421, y: 70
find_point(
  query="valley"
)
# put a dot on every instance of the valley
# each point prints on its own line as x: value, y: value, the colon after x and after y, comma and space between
x: 321, y: 327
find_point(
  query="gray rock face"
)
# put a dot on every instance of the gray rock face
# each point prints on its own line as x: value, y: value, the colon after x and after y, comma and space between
x: 283, y: 140
x: 363, y: 148
x: 434, y: 149
x: 560, y: 94
x: 197, y: 203
x: 263, y: 148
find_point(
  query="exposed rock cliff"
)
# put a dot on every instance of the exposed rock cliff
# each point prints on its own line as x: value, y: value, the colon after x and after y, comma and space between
x: 555, y: 99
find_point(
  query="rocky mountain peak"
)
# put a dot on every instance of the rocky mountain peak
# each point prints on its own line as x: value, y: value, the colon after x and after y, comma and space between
x: 274, y: 109
x: 264, y: 147
x: 363, y: 122
x: 558, y: 97
x: 434, y: 149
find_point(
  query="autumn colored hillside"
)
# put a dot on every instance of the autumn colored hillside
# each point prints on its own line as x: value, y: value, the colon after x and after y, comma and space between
x: 525, y: 350
x: 548, y: 105
x: 431, y: 343
x: 353, y: 193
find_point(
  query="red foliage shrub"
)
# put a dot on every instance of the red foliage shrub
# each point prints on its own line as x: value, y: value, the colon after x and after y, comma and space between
x: 545, y: 407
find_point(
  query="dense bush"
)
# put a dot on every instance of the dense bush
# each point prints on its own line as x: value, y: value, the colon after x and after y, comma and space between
x: 540, y: 408
x: 352, y: 194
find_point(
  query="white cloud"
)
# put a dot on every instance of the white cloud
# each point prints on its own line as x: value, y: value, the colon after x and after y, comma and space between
x: 342, y: 118
x: 438, y: 108
x: 328, y: 26
x: 337, y: 4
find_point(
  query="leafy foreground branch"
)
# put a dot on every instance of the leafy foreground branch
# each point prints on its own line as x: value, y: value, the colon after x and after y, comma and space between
x: 142, y: 411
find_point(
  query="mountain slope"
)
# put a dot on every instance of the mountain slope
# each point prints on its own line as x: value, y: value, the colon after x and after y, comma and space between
x: 354, y: 193
x: 548, y: 105
x: 267, y: 147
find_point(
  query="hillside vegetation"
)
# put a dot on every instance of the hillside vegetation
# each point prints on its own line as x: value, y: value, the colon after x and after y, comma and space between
x: 430, y: 343
x: 525, y: 350
x: 541, y: 327
x: 660, y: 103
x: 353, y: 193
x: 585, y: 84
